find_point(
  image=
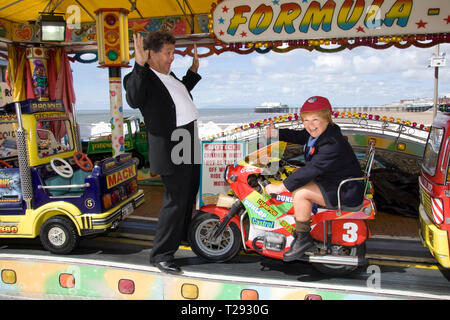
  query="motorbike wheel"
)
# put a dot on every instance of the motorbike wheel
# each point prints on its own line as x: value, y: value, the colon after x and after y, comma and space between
x: 224, y: 248
x: 338, y: 269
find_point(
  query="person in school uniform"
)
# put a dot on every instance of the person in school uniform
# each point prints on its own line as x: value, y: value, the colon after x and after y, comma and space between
x: 329, y: 159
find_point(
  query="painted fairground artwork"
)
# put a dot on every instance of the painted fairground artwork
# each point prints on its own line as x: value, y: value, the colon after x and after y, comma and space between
x: 244, y: 21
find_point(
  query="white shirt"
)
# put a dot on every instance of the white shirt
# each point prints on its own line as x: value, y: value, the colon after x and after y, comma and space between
x: 186, y: 111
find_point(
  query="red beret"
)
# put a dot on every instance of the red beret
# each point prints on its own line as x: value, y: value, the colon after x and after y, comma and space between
x: 315, y: 103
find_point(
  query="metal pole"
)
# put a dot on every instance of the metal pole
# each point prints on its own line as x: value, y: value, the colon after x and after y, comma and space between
x: 22, y: 153
x: 436, y: 78
x: 116, y: 111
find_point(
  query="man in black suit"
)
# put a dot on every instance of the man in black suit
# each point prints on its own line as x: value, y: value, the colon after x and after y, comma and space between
x: 170, y: 117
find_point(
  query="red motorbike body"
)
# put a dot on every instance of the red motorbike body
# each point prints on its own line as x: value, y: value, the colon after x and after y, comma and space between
x: 269, y: 216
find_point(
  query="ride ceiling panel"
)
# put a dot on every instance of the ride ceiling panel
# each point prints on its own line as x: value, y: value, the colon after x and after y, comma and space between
x: 28, y: 10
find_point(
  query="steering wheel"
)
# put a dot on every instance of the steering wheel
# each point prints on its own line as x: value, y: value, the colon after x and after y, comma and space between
x: 64, y: 169
x: 5, y: 164
x: 82, y: 160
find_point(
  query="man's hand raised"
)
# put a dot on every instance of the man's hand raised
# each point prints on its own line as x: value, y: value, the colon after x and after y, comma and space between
x: 140, y: 55
x: 195, y: 62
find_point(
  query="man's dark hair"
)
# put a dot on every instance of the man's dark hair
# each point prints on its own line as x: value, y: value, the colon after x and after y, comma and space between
x: 156, y: 40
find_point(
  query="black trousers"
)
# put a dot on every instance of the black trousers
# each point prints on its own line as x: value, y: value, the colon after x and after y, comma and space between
x: 175, y: 215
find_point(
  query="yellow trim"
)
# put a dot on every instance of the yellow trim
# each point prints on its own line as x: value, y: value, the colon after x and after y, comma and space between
x: 386, y: 257
x: 402, y: 264
x: 29, y: 225
x: 105, y: 215
x: 52, y: 209
x: 120, y: 176
x: 30, y: 125
x: 435, y: 239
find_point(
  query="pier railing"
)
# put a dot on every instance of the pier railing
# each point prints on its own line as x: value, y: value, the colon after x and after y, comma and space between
x: 349, y: 122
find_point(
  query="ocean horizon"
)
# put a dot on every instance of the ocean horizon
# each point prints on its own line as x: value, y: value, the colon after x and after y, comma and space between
x: 226, y: 115
x: 211, y: 120
x: 95, y: 121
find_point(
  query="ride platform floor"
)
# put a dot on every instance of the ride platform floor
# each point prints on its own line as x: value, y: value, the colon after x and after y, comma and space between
x: 384, y: 225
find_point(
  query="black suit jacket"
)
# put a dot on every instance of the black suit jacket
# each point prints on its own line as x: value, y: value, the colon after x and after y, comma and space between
x: 144, y: 90
x: 333, y: 160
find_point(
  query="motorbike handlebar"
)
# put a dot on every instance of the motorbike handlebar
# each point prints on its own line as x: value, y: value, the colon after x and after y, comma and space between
x: 264, y: 183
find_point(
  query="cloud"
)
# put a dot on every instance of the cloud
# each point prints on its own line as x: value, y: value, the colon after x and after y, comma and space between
x: 286, y: 90
x: 417, y: 74
x: 262, y: 61
x: 361, y: 76
x: 204, y: 63
x: 364, y: 65
x: 234, y: 76
x: 327, y: 63
x: 182, y: 62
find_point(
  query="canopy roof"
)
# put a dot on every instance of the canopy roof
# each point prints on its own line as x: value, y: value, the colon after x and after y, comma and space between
x: 187, y: 20
x: 28, y: 10
x: 243, y: 26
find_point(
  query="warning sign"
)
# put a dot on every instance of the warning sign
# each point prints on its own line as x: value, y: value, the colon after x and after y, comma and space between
x: 216, y: 157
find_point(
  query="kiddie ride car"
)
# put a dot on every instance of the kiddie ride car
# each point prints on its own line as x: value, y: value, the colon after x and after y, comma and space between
x: 49, y: 189
x: 135, y: 142
x: 264, y: 224
x: 434, y: 182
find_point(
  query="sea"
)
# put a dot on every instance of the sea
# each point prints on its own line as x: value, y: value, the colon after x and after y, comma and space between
x: 211, y: 120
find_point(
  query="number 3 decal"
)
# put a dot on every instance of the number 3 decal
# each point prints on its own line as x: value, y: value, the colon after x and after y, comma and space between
x: 352, y: 232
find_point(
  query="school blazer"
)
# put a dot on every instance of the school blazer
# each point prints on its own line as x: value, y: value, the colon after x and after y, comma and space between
x: 146, y: 92
x: 331, y: 161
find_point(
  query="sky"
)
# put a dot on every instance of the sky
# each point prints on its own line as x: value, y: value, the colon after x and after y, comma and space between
x: 358, y: 77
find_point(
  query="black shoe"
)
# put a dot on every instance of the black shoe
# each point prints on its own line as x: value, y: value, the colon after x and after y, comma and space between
x: 168, y: 267
x: 299, y: 246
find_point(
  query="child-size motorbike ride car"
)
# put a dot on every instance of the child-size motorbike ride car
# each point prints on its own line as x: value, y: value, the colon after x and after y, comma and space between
x: 265, y: 223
